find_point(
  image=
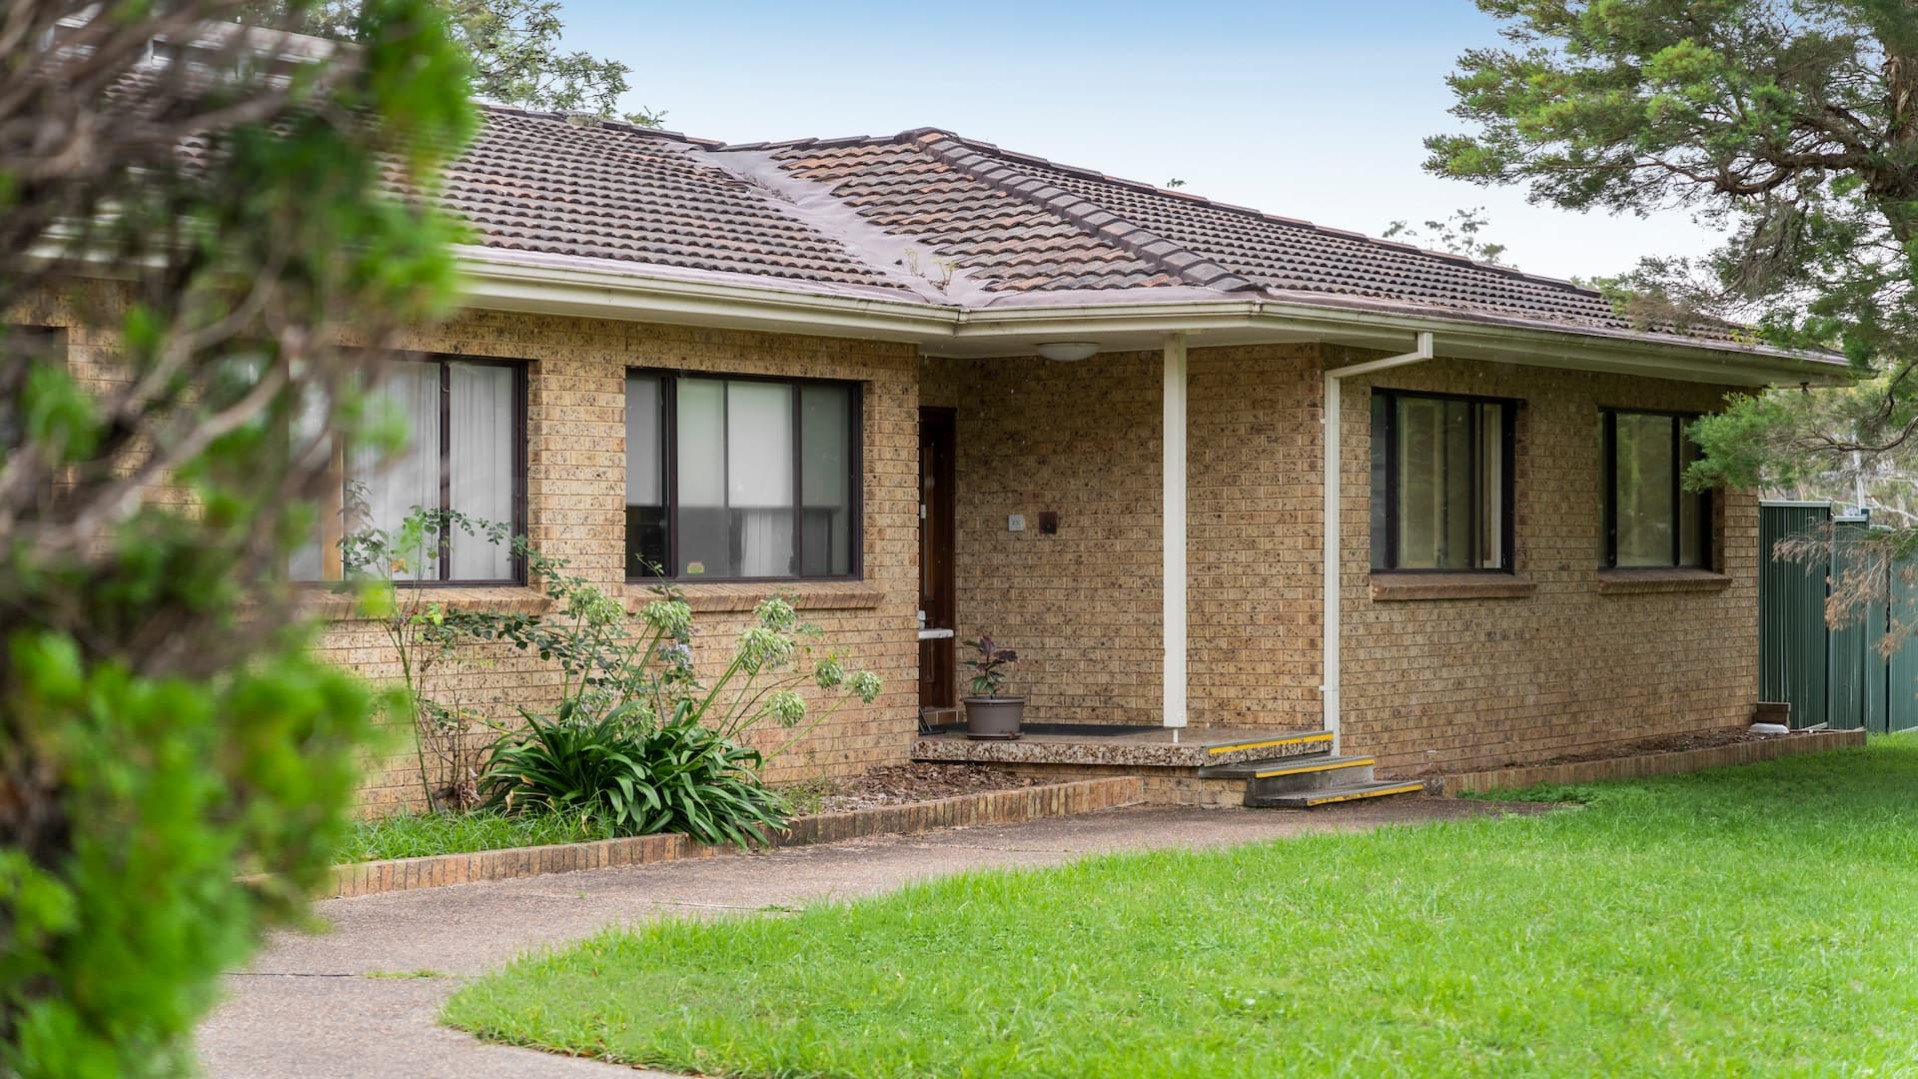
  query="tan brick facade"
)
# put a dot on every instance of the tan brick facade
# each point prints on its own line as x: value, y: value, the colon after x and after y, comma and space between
x: 1428, y: 683
x: 1481, y: 683
x: 576, y: 475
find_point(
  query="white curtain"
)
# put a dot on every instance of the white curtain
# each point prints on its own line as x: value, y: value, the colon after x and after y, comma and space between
x: 759, y: 476
x: 385, y: 490
x: 306, y: 562
x: 481, y: 410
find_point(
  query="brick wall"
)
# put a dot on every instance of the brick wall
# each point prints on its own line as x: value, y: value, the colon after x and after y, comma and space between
x: 576, y: 510
x: 1433, y: 683
x: 1484, y: 683
x: 1427, y: 683
x: 1080, y: 607
x: 576, y: 500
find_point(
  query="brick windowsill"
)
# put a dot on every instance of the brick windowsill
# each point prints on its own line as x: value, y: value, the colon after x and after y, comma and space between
x: 805, y: 595
x: 1402, y: 587
x: 1625, y: 582
x: 498, y: 599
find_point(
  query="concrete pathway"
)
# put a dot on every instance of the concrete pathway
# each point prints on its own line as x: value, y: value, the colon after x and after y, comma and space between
x: 349, y: 1002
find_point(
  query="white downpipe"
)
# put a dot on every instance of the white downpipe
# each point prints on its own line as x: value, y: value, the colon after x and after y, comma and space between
x: 1329, y: 690
x: 1174, y: 570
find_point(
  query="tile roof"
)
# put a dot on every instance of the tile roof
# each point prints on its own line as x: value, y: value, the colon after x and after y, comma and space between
x: 1011, y: 243
x: 997, y: 224
x: 1296, y: 255
x: 546, y: 184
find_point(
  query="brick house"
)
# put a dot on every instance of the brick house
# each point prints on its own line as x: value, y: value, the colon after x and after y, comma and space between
x: 933, y: 388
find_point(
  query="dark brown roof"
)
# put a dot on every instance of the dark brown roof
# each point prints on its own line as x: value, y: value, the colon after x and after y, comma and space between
x: 1207, y: 243
x: 861, y: 212
x: 547, y: 184
x: 1010, y: 242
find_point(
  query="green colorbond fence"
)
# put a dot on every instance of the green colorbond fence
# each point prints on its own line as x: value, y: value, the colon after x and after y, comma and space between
x: 1835, y: 677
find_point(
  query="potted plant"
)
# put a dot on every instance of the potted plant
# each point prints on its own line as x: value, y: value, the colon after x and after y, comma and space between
x: 989, y: 715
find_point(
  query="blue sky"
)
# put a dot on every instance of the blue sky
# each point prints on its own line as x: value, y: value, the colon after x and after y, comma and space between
x: 1311, y: 110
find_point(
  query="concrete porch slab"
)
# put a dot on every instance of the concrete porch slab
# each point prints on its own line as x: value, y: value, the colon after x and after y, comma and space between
x: 1125, y: 747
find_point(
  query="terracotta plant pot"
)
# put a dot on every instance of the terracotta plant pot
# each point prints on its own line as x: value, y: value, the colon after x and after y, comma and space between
x: 994, y: 717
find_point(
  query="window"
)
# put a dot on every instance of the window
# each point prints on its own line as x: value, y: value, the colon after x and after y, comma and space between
x: 1649, y: 519
x: 465, y: 452
x: 741, y: 479
x: 1441, y: 483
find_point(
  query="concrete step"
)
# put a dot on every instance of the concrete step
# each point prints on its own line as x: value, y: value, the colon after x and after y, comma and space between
x: 1280, y: 772
x: 1333, y: 795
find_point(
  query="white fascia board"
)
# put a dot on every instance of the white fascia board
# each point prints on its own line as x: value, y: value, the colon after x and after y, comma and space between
x: 1620, y: 352
x: 565, y: 286
x: 593, y: 293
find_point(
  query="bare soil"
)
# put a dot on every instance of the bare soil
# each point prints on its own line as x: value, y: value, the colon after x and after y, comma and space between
x: 917, y: 782
x: 1670, y: 743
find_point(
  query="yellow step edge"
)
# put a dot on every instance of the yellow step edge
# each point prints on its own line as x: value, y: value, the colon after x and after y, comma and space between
x: 1353, y: 796
x: 1304, y: 768
x: 1321, y: 736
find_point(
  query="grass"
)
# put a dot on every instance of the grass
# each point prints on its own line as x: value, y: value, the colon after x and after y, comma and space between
x: 1750, y: 921
x: 417, y: 835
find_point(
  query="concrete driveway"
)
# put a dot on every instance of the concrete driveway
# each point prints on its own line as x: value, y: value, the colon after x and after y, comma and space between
x: 364, y: 998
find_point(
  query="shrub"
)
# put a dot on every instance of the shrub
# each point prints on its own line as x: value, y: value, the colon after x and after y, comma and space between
x: 636, y: 778
x: 639, y: 739
x: 163, y: 729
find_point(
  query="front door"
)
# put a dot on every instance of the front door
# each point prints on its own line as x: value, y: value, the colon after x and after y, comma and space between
x: 938, y: 663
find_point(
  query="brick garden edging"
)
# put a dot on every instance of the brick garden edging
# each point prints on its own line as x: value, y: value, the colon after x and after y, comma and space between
x: 966, y: 810
x: 1653, y: 764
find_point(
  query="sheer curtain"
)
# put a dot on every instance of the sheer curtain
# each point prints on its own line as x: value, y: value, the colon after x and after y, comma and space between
x: 1644, y: 476
x: 705, y: 548
x: 759, y: 476
x: 383, y: 490
x: 308, y: 561
x: 481, y: 410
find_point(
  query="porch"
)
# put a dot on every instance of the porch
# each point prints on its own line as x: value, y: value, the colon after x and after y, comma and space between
x: 1255, y: 768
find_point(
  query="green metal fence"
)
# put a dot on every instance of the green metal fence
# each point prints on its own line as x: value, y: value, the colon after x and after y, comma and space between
x: 1839, y: 678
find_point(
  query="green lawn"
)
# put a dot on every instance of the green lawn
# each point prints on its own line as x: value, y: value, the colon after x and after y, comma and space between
x: 1756, y: 921
x: 415, y: 835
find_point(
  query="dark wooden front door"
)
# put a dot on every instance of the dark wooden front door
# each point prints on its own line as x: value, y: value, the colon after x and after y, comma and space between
x: 938, y: 664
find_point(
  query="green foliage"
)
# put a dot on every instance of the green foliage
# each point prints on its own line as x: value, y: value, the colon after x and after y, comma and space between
x: 171, y: 787
x: 1538, y: 792
x: 1661, y: 930
x: 1790, y: 123
x: 636, y: 777
x: 516, y: 58
x: 990, y: 666
x: 164, y: 730
x: 1457, y: 234
x: 639, y: 743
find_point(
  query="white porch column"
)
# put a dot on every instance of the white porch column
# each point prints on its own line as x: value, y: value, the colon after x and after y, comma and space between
x: 1173, y: 473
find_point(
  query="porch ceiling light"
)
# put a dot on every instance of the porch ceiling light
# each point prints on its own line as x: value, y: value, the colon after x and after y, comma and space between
x: 1067, y: 351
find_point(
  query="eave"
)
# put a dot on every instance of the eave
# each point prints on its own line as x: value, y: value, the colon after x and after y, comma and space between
x: 594, y: 288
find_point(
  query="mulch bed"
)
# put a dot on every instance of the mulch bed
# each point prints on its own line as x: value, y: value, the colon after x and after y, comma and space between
x: 920, y: 782
x: 1670, y: 743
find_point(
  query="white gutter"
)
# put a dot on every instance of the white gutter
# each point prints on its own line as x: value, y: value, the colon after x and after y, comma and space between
x: 591, y: 288
x: 560, y: 286
x: 1329, y: 688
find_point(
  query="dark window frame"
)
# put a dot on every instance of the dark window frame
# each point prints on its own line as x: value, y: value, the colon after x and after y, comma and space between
x: 1608, y: 472
x: 1508, y: 488
x: 444, y: 561
x: 669, y: 466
